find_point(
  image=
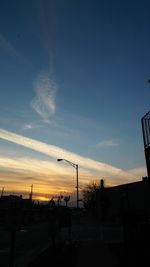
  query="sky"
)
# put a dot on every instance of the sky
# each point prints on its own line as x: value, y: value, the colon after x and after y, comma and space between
x: 73, y: 85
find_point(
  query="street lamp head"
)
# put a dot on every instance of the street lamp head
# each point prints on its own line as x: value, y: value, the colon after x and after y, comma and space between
x: 59, y: 159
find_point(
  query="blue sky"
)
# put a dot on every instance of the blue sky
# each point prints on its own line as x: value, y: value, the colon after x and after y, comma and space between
x: 73, y: 77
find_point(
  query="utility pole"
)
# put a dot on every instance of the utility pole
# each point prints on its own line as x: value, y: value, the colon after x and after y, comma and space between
x: 2, y: 193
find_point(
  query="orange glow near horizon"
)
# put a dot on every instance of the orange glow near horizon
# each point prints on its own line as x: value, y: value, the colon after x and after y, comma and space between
x: 41, y: 198
x: 49, y: 177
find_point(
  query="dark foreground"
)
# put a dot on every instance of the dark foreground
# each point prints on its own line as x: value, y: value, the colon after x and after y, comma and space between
x: 93, y: 244
x: 60, y: 256
x: 103, y: 255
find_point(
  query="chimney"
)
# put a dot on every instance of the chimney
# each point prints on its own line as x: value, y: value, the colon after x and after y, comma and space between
x: 101, y: 183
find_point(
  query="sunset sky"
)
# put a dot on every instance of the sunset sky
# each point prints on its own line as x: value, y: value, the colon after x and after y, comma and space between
x: 73, y: 84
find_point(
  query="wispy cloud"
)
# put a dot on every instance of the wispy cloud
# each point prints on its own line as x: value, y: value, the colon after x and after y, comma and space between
x: 139, y: 171
x: 108, y: 143
x: 44, y: 102
x: 29, y: 126
x: 17, y: 173
x: 47, y: 176
x: 101, y: 169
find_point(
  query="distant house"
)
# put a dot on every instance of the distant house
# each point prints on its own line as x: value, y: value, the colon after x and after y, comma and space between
x: 14, y: 201
x: 112, y: 203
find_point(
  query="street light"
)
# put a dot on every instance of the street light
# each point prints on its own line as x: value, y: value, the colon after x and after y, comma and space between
x: 76, y: 167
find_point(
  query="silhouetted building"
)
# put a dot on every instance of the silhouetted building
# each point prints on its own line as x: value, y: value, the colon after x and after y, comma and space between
x: 24, y: 209
x: 10, y: 201
x: 134, y: 198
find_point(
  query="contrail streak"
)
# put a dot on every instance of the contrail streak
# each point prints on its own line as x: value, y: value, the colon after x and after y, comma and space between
x: 57, y: 152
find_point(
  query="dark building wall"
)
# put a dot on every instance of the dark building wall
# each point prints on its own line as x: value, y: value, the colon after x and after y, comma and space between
x: 113, y: 202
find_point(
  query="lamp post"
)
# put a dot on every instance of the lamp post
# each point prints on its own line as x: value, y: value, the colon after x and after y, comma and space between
x: 76, y: 167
